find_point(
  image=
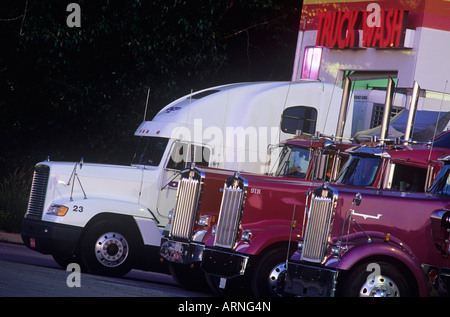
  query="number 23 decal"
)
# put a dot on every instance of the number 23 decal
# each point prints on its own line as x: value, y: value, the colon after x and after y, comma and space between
x: 77, y: 208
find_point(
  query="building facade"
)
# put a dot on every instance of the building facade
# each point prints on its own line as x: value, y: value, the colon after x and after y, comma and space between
x: 371, y: 41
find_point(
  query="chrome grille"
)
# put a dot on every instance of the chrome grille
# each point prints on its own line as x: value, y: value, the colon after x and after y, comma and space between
x: 188, y: 199
x: 318, y: 228
x: 230, y: 211
x: 38, y: 192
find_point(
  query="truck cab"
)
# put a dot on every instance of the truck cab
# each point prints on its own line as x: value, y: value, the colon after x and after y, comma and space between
x: 374, y: 243
x: 195, y: 217
x: 398, y: 166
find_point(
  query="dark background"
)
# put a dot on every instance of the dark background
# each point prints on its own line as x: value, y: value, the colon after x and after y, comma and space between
x: 69, y: 93
x: 81, y: 92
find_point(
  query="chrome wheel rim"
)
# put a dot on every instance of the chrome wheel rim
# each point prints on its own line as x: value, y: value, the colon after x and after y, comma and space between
x: 111, y: 249
x: 379, y: 286
x: 276, y: 279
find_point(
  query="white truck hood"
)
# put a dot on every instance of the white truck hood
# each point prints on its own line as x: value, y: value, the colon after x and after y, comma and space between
x: 74, y: 181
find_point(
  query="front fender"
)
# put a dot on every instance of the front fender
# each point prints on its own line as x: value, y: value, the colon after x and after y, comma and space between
x: 385, y: 250
x: 266, y: 233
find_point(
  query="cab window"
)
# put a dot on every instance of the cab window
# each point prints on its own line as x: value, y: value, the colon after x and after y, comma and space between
x: 409, y: 178
x: 299, y: 118
x: 149, y: 151
x: 360, y: 171
x: 183, y: 154
x: 441, y: 185
x: 294, y: 162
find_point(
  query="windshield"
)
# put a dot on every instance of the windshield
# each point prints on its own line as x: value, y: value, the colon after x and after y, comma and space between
x: 294, y: 162
x: 149, y: 151
x: 442, y: 141
x: 441, y: 185
x: 359, y: 171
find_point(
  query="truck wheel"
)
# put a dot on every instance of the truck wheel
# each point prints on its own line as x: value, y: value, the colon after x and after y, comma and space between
x: 63, y: 260
x: 191, y: 278
x: 213, y: 283
x: 388, y: 281
x: 109, y: 248
x: 270, y: 274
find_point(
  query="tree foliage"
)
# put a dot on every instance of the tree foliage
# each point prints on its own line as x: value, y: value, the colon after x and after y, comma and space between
x: 72, y: 92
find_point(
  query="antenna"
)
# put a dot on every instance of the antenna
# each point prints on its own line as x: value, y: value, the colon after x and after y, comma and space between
x: 146, y: 104
x: 284, y: 108
x: 290, y: 234
x: 329, y: 104
x: 189, y: 107
x: 190, y: 148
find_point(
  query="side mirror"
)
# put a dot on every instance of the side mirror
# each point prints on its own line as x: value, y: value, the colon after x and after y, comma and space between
x: 357, y: 199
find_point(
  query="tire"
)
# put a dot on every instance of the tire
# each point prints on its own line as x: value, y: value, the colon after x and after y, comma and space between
x: 109, y: 248
x: 213, y: 283
x: 378, y: 279
x: 269, y: 274
x: 190, y: 277
x: 63, y: 260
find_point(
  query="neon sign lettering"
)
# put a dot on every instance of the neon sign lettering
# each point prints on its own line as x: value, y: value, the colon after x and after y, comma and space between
x: 341, y: 29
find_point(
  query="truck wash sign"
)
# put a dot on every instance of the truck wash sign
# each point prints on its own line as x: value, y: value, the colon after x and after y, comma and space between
x: 380, y: 29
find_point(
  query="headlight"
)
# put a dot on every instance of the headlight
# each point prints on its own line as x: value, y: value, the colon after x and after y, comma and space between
x: 246, y: 235
x: 446, y: 220
x: 170, y: 216
x: 204, y: 221
x: 335, y: 250
x: 57, y: 210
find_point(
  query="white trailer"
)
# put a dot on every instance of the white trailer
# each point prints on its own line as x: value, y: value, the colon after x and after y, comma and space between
x: 109, y: 218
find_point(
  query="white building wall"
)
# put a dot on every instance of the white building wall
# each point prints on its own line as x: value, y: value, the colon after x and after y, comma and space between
x: 427, y: 62
x: 432, y: 68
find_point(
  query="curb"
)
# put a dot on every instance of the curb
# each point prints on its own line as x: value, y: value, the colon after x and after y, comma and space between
x: 10, y: 237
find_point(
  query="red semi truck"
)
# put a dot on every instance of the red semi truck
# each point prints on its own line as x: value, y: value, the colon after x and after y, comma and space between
x: 251, y: 242
x: 194, y: 219
x: 374, y: 243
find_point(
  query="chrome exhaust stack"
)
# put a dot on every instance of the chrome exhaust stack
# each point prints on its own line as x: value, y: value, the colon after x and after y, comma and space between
x: 387, y: 111
x: 412, y: 113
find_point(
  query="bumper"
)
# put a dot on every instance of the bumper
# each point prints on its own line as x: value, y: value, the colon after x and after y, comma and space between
x: 310, y: 281
x: 224, y: 264
x: 181, y: 252
x: 50, y: 238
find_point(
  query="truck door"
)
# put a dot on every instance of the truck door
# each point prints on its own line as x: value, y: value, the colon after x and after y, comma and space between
x: 181, y: 156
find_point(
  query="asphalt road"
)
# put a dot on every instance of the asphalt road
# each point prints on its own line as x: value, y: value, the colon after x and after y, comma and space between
x: 25, y: 273
x: 34, y: 283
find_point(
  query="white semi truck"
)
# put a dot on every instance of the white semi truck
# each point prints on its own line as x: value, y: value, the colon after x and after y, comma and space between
x: 109, y: 218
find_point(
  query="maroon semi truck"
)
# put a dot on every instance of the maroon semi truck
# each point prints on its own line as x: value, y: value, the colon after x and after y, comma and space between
x: 200, y: 190
x: 251, y: 242
x: 374, y: 243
